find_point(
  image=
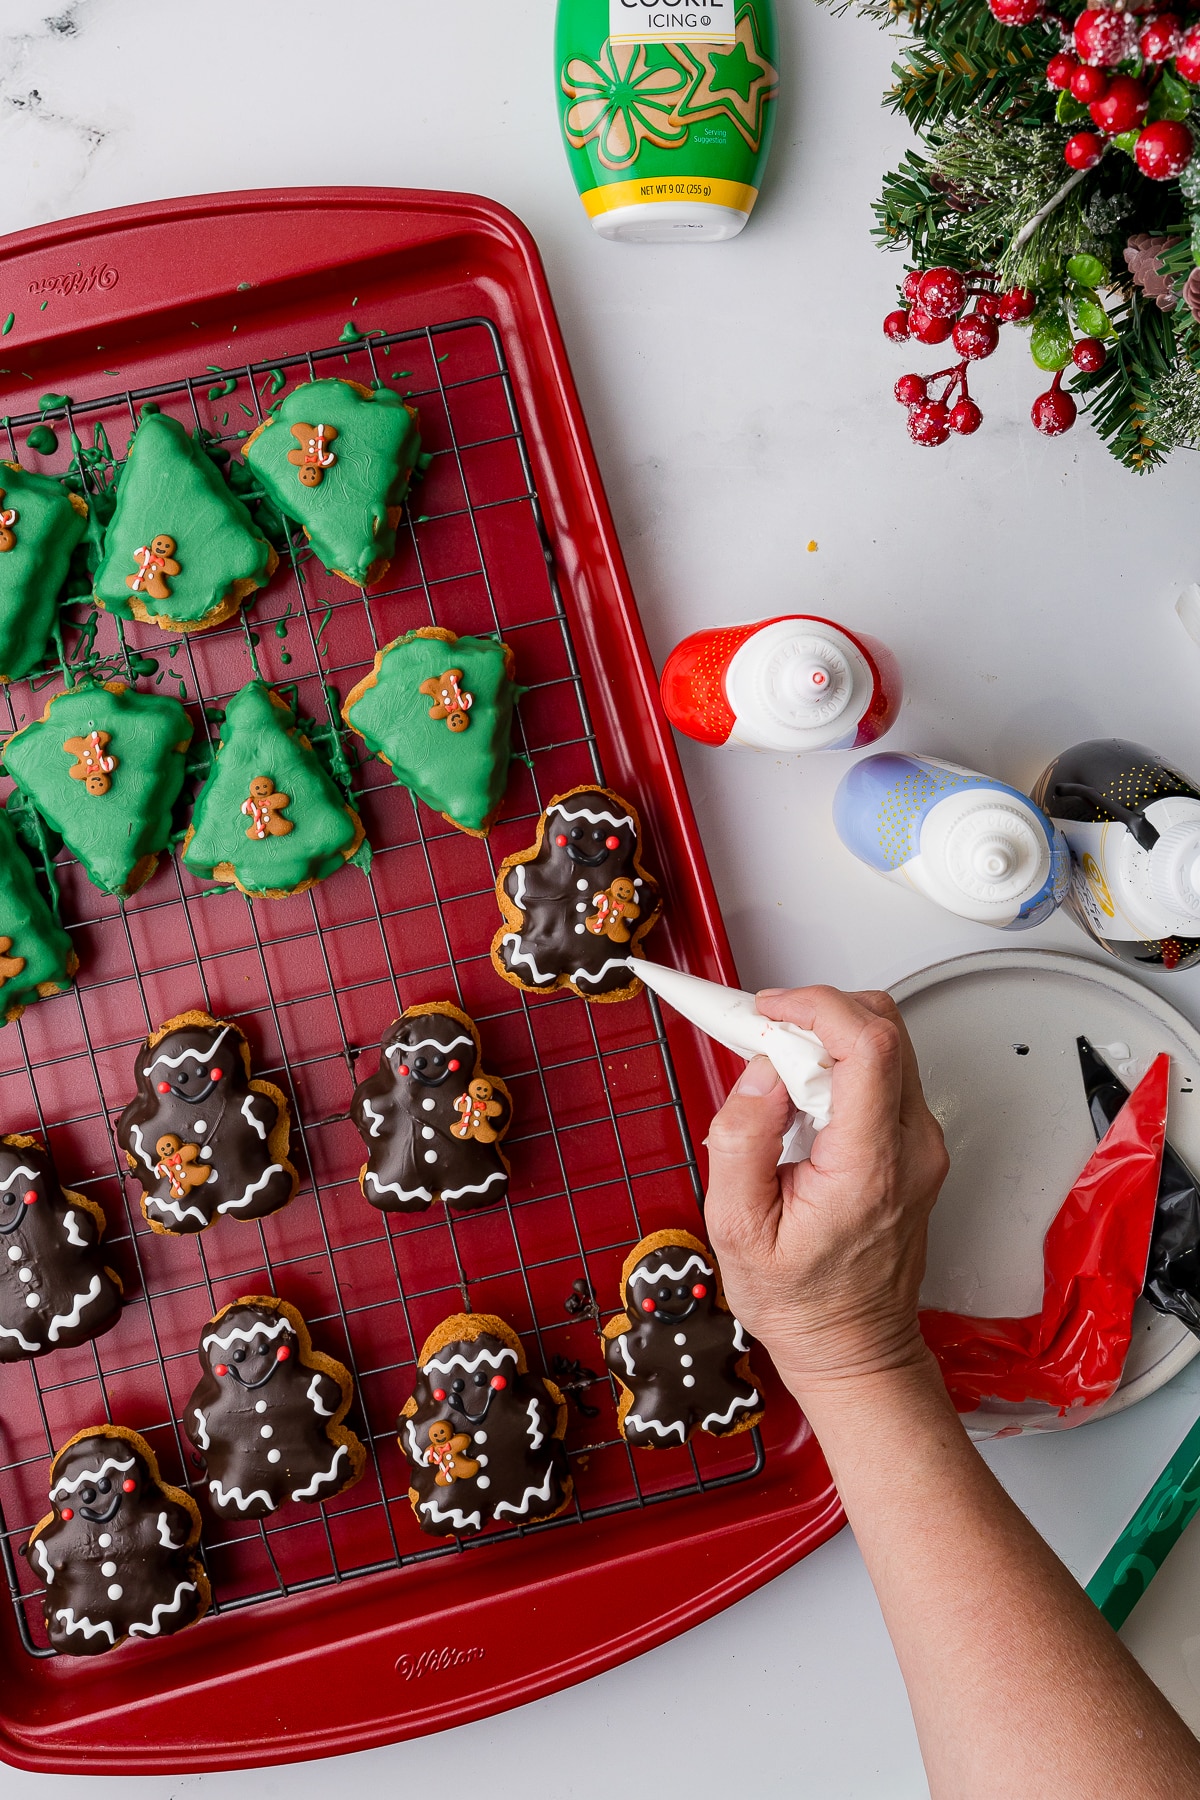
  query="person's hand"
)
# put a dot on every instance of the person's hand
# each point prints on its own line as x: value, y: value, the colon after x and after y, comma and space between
x: 822, y: 1260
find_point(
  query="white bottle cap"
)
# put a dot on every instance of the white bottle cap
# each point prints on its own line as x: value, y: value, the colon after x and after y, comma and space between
x: 1175, y: 870
x: 986, y: 848
x: 797, y: 685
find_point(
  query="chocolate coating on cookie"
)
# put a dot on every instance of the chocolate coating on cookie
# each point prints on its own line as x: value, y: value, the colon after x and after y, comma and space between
x: 678, y: 1352
x: 204, y: 1140
x: 477, y: 1384
x: 564, y: 924
x: 117, y: 1552
x: 266, y: 1414
x: 428, y: 1127
x: 55, y: 1289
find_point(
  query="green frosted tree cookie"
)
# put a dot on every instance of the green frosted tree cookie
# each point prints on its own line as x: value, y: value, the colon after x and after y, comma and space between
x: 269, y: 819
x: 338, y: 457
x: 40, y: 525
x: 438, y: 709
x: 180, y: 551
x: 104, y: 766
x: 36, y: 957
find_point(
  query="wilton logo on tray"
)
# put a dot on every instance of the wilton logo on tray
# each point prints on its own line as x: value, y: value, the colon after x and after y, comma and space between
x: 77, y: 281
x: 436, y: 1662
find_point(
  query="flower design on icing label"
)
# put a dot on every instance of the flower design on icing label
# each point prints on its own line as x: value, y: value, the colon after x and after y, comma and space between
x: 93, y: 763
x: 155, y: 561
x: 312, y: 455
x: 9, y: 965
x: 263, y: 808
x: 8, y: 518
x: 621, y: 100
x: 450, y: 701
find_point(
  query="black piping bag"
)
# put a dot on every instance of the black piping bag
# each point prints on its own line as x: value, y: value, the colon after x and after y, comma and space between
x: 1173, y: 1269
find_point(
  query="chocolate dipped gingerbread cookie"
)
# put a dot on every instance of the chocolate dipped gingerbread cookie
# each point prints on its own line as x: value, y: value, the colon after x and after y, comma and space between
x: 483, y: 1436
x: 430, y: 1118
x: 55, y: 1288
x: 679, y: 1355
x: 118, y: 1550
x: 267, y: 1413
x: 201, y: 1136
x: 577, y: 904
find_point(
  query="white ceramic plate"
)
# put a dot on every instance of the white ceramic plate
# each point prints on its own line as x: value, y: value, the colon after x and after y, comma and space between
x: 995, y: 1039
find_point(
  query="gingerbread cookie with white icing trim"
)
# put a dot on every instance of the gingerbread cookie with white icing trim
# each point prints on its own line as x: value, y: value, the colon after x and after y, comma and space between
x: 267, y: 1413
x: 55, y: 1288
x: 577, y: 904
x: 483, y: 1436
x: 680, y: 1357
x: 430, y: 1118
x: 202, y: 1137
x: 118, y: 1551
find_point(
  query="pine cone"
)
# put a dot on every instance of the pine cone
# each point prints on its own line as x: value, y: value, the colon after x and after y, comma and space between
x: 1191, y: 294
x: 1141, y: 259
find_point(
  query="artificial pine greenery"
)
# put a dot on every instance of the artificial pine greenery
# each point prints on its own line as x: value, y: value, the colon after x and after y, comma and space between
x: 992, y: 132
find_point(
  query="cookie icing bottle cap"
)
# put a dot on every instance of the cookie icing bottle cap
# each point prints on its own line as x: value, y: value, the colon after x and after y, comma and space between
x: 1175, y: 869
x: 986, y: 848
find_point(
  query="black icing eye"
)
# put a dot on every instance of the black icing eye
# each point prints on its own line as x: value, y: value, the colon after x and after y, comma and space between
x: 239, y: 1354
x: 104, y: 1485
x: 10, y: 1199
x: 418, y: 1062
x: 86, y: 1495
x: 481, y: 1381
x: 576, y: 832
x: 664, y: 1293
x: 457, y: 1386
x: 682, y: 1293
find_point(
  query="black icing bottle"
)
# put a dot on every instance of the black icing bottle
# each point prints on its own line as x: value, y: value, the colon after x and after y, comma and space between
x: 1132, y: 822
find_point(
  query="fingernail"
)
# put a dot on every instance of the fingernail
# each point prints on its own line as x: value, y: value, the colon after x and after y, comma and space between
x: 760, y: 1078
x: 769, y: 993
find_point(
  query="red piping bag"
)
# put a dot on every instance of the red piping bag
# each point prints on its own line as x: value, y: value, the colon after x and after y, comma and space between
x: 1071, y: 1354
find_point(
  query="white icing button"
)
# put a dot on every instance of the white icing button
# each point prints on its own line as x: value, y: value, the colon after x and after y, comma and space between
x: 686, y: 1361
x: 429, y: 1105
x: 104, y: 1540
x: 427, y: 1131
x: 272, y: 1456
x: 33, y: 1299
x: 483, y: 1482
x: 637, y: 881
x: 680, y: 1338
x: 579, y: 928
x: 108, y: 1568
x: 482, y: 1461
x: 199, y: 1126
x: 15, y: 1253
x: 260, y: 1406
x: 480, y: 1437
x: 24, y: 1274
x: 431, y: 1156
x: 115, y: 1591
x: 206, y: 1151
x: 689, y: 1381
x: 581, y: 906
x: 582, y: 886
x: 266, y: 1431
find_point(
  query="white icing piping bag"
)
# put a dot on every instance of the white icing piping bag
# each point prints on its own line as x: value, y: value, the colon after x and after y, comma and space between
x: 730, y: 1016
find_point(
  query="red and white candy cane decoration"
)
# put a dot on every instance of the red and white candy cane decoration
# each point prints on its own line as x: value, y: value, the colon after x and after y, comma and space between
x: 454, y: 698
x: 443, y: 1456
x: 149, y: 565
x: 607, y: 909
x: 93, y: 757
x: 259, y: 816
x: 170, y: 1170
x: 474, y: 1113
x: 317, y: 454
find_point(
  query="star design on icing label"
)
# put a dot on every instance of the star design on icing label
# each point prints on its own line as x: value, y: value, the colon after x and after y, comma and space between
x: 734, y: 83
x: 622, y: 100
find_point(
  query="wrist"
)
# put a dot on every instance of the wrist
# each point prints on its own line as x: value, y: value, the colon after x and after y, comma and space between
x: 868, y: 1389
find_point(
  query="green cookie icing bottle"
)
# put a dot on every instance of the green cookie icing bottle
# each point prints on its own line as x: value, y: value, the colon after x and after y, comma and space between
x: 667, y: 111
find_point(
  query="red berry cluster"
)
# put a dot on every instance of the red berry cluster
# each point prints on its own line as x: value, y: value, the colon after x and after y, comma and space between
x: 937, y: 299
x: 1104, y: 38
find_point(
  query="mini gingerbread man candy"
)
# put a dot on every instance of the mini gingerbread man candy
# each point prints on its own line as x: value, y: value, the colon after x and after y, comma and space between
x: 477, y: 1108
x: 155, y: 562
x: 8, y: 518
x: 10, y: 966
x: 178, y: 1166
x: 263, y: 809
x: 616, y: 909
x: 449, y: 700
x: 680, y: 1357
x: 118, y: 1550
x: 312, y: 455
x: 267, y: 1413
x: 93, y: 764
x: 445, y: 1451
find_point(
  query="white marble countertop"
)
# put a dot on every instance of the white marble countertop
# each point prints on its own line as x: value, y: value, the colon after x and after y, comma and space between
x: 740, y: 401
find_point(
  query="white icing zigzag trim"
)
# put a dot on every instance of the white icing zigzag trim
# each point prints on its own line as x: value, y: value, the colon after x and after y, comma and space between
x: 163, y: 1607
x: 139, y: 1144
x: 739, y: 1336
x: 443, y: 1367
x: 236, y: 1497
x: 164, y: 1535
x: 622, y: 1344
x: 405, y: 1050
x: 114, y: 1463
x: 535, y: 1433
x: 246, y: 1334
x: 415, y: 1450
x: 477, y: 1188
x: 394, y: 1187
x: 66, y: 1616
x: 8, y: 1331
x: 308, y: 1493
x: 200, y: 1056
x: 73, y: 1317
x: 452, y: 1515
x: 518, y: 896
x: 157, y: 1203
x: 203, y: 1441
x: 672, y: 1274
x: 376, y: 1117
x: 613, y: 962
x: 676, y: 1425
x: 737, y: 1404
x: 72, y: 1230
x: 255, y: 1187
x: 39, y: 1550
x: 249, y: 1116
x: 527, y: 1499
x: 593, y: 818
x: 30, y: 1175
x: 315, y: 1400
x: 511, y: 942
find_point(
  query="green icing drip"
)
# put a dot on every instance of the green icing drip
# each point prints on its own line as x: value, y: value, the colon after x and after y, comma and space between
x: 350, y: 334
x: 27, y: 920
x: 52, y: 402
x: 142, y: 665
x: 8, y: 324
x: 259, y: 738
x: 377, y: 444
x: 169, y: 486
x: 43, y: 440
x: 460, y: 773
x: 109, y: 833
x: 32, y: 573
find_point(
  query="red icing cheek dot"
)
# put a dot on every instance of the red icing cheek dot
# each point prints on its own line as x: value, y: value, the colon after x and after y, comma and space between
x: 699, y: 1291
x: 282, y: 1354
x: 216, y: 1074
x: 439, y: 1393
x: 403, y: 1069
x: 30, y: 1197
x: 648, y: 1305
x: 453, y: 1064
x: 561, y: 841
x: 220, y: 1369
x: 499, y: 1382
x: 67, y: 1512
x: 128, y: 1485
x: 164, y: 1087
x: 612, y: 843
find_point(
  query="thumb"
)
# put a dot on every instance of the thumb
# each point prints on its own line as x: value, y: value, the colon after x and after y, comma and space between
x: 744, y: 1141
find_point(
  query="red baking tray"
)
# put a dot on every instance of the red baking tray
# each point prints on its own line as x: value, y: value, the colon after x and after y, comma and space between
x: 344, y: 1627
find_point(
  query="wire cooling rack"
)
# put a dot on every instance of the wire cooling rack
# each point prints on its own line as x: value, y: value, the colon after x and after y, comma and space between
x: 599, y: 1143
